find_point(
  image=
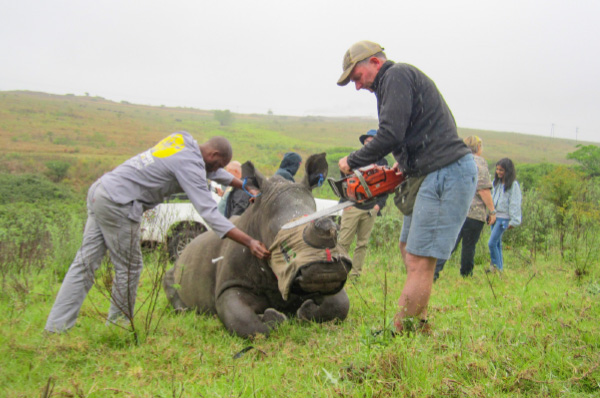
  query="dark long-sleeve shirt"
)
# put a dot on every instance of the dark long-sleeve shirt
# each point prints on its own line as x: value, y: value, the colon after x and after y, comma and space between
x: 415, y: 123
x: 237, y: 202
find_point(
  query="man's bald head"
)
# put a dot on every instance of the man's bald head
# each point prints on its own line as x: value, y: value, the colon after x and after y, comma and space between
x: 217, y: 153
x: 222, y: 145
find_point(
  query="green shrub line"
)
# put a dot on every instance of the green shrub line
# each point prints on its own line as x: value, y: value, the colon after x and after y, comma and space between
x: 94, y: 135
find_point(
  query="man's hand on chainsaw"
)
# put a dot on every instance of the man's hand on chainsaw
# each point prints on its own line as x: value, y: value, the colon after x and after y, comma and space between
x: 343, y: 164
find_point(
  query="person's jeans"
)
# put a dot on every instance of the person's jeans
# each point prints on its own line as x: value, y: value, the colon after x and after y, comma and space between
x: 469, y: 234
x: 495, y: 242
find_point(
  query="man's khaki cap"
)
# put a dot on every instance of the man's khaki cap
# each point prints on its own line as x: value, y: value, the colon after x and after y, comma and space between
x: 358, y: 52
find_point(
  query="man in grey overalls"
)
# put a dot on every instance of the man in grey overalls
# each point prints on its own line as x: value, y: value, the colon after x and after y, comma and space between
x: 115, y: 205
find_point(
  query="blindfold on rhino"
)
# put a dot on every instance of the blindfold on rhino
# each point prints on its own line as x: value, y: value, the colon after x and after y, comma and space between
x: 322, y: 278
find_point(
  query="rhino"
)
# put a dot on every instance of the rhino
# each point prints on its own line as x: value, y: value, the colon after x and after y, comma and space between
x: 220, y: 276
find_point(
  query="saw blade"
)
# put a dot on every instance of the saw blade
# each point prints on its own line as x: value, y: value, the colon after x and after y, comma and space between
x: 318, y: 214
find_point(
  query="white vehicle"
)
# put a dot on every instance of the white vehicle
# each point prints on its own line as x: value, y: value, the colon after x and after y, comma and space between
x: 175, y: 224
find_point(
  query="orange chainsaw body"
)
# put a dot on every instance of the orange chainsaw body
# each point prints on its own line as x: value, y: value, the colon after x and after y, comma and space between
x: 366, y: 183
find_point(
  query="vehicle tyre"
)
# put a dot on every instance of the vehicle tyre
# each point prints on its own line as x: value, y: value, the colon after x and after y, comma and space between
x: 181, y: 237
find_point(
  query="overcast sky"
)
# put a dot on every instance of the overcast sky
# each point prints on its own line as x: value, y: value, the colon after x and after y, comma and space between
x: 530, y: 66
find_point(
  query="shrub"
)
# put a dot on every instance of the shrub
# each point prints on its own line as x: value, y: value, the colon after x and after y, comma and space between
x: 225, y: 118
x: 588, y: 156
x: 35, y: 235
x: 562, y: 189
x: 30, y: 188
x: 530, y: 175
x: 535, y: 232
x: 57, y: 170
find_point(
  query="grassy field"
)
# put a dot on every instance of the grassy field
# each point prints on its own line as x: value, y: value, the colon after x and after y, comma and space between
x: 94, y: 135
x: 531, y: 332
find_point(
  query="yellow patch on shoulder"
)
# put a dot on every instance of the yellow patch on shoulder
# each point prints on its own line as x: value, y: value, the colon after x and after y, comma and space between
x: 169, y: 146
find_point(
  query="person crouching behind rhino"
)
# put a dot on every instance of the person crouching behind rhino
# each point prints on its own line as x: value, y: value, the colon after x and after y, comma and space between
x: 115, y: 205
x: 289, y: 166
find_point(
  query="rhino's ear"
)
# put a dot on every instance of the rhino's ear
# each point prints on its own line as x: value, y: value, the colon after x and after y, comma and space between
x: 316, y: 171
x: 254, y: 177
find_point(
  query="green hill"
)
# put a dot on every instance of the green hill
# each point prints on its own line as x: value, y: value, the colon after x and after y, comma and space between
x: 94, y: 134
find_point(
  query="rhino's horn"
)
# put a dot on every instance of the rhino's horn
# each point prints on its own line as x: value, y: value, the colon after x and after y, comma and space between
x: 321, y: 234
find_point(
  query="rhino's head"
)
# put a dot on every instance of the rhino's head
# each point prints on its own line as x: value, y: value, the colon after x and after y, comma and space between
x: 281, y: 201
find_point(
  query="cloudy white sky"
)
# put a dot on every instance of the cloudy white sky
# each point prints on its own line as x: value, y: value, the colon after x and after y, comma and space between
x: 530, y: 66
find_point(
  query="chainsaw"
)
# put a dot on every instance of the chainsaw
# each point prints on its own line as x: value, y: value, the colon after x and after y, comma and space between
x: 362, y: 186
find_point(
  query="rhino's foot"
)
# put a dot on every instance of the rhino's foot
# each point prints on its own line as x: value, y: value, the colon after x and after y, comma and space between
x: 178, y: 306
x: 170, y: 289
x: 272, y: 318
x: 307, y: 310
x: 180, y: 310
x: 325, y: 308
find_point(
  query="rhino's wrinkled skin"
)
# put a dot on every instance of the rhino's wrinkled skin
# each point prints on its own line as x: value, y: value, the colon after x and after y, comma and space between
x: 241, y: 289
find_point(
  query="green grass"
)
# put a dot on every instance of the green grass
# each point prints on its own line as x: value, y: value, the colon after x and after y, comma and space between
x: 537, y: 336
x: 532, y: 332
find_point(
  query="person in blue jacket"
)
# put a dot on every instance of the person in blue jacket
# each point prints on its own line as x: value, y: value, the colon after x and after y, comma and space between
x: 506, y: 195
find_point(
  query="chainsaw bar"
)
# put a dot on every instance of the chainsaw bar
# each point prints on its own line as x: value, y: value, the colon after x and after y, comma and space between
x: 321, y: 213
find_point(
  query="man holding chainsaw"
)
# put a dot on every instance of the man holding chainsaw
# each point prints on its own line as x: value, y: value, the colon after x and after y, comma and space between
x: 416, y: 125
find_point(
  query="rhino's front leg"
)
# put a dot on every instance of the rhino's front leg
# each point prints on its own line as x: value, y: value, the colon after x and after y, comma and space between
x: 239, y: 311
x: 171, y: 291
x: 333, y: 307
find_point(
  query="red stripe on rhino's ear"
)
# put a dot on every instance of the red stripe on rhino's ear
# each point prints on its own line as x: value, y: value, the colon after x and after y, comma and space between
x: 315, y: 170
x: 255, y: 178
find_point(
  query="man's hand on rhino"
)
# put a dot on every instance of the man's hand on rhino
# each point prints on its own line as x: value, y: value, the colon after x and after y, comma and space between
x: 259, y: 250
